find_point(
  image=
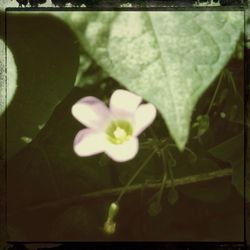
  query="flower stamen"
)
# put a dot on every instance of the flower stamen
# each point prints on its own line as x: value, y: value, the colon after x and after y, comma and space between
x: 119, y: 131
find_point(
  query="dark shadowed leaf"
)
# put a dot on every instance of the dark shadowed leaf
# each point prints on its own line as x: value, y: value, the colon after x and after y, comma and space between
x: 213, y: 191
x: 232, y: 151
x: 47, y: 61
x: 48, y: 169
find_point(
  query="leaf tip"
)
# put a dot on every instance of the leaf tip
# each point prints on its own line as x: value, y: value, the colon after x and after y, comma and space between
x: 180, y: 140
x: 181, y: 145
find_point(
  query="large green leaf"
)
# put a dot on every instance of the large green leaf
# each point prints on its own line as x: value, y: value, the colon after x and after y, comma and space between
x: 169, y: 58
x: 7, y: 85
x: 46, y: 73
x: 247, y: 26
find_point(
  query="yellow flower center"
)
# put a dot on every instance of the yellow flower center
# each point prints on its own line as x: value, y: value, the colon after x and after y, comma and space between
x: 119, y: 131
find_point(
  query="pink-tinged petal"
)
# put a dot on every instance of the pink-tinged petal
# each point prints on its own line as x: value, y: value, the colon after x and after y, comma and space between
x: 91, y: 112
x: 122, y: 152
x: 124, y: 103
x: 89, y: 142
x: 143, y: 117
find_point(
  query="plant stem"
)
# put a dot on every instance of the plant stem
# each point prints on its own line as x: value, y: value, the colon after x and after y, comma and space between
x: 231, y: 78
x: 164, y: 179
x: 124, y: 190
x: 114, y: 191
x: 171, y: 175
x: 215, y: 92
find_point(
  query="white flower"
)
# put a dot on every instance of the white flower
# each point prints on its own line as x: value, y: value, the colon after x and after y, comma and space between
x: 112, y: 130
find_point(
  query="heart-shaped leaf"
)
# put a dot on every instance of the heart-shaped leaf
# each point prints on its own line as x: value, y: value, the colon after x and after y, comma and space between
x: 169, y: 58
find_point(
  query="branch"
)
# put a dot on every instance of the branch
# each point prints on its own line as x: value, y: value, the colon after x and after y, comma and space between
x: 115, y: 191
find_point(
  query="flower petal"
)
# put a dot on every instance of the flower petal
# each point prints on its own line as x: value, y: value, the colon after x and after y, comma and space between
x: 123, y: 102
x: 89, y: 142
x: 143, y: 117
x: 91, y: 112
x: 122, y: 152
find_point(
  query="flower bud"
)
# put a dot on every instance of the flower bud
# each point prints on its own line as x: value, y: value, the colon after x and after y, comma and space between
x: 109, y: 227
x: 113, y: 210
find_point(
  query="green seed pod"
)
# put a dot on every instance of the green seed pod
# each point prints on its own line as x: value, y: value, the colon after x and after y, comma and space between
x: 154, y: 208
x: 110, y: 226
x: 172, y: 196
x: 203, y: 125
x: 113, y: 210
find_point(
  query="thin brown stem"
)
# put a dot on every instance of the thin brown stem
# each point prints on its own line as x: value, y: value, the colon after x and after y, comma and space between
x: 114, y: 191
x: 124, y: 190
